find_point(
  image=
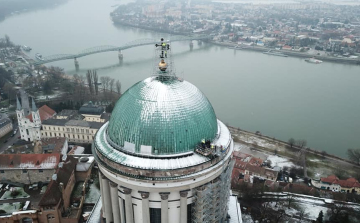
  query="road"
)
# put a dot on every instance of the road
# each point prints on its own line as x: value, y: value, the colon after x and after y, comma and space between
x: 11, y: 140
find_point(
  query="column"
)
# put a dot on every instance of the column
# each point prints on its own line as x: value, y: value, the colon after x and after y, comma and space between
x: 122, y: 210
x: 145, y: 206
x: 115, y: 202
x: 102, y: 194
x: 107, y: 199
x: 164, y: 207
x: 128, y: 206
x: 183, y: 206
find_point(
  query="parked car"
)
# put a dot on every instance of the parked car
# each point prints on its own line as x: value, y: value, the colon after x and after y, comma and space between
x: 5, y: 141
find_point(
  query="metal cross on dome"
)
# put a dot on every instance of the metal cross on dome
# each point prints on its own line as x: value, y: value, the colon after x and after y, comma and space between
x: 163, y: 47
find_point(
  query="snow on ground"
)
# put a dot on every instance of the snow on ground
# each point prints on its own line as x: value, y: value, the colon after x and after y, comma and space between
x: 234, y: 210
x: 309, y: 204
x: 260, y: 142
x: 246, y: 218
x: 312, y: 210
x: 280, y: 161
x: 246, y: 149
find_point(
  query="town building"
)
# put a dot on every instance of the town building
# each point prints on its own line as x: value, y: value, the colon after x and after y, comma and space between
x: 6, y: 126
x: 94, y: 113
x: 77, y: 126
x: 26, y: 169
x: 247, y: 168
x: 64, y: 195
x: 333, y: 183
x: 54, y: 205
x: 52, y: 145
x: 76, y: 131
x: 30, y: 119
x: 153, y: 164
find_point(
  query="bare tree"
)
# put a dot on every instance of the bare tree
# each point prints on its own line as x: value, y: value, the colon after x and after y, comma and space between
x: 291, y: 142
x: 302, y: 214
x: 111, y: 85
x: 8, y: 41
x: 95, y: 79
x: 106, y: 82
x: 340, y: 213
x: 118, y: 87
x: 354, y: 155
x: 82, y: 86
x: 323, y: 153
x: 90, y: 79
x: 55, y: 73
x: 301, y: 143
x: 289, y: 200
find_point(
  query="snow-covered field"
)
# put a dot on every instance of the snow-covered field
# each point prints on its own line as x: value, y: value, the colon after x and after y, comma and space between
x: 280, y: 161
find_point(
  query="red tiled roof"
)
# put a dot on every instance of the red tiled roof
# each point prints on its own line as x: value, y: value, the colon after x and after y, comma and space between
x: 238, y: 154
x: 349, y: 183
x: 53, y: 194
x: 298, y: 188
x: 240, y: 164
x: 45, y: 113
x: 258, y: 170
x: 256, y: 161
x: 332, y: 179
x: 29, y: 161
x: 235, y: 181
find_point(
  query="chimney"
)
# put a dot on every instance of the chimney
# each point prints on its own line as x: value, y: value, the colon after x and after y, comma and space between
x: 61, y: 187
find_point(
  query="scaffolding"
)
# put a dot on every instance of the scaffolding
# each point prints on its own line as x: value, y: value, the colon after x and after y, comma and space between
x: 211, y: 199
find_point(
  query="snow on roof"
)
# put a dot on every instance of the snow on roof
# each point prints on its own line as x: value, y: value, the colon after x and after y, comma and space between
x: 77, y: 150
x: 149, y: 163
x: 224, y: 137
x: 24, y: 212
x: 29, y: 161
x: 84, y: 166
x: 234, y: 210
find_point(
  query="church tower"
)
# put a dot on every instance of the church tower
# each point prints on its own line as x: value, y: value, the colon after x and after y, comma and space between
x: 36, y: 120
x: 19, y: 111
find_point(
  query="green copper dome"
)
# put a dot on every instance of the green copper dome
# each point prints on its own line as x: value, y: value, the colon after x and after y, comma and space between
x: 161, y: 117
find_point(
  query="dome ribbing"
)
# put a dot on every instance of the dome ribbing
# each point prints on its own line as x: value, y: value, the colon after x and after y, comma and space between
x: 162, y: 117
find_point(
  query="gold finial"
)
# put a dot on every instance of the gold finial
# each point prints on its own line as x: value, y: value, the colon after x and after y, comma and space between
x: 162, y: 65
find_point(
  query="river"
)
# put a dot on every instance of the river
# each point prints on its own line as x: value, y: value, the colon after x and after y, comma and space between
x: 281, y: 97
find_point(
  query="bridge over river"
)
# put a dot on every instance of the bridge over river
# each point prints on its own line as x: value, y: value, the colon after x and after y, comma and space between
x: 101, y: 49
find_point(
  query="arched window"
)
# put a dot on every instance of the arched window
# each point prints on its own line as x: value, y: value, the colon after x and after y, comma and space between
x: 50, y: 218
x: 26, y: 220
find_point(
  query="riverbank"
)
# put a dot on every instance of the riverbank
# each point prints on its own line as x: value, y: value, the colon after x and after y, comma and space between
x: 291, y: 53
x: 149, y: 28
x: 318, y: 163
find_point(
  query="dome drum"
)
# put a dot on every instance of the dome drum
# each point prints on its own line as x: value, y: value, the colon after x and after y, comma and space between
x: 157, y: 168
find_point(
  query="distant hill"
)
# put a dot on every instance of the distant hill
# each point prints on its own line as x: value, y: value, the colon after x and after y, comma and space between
x: 9, y: 7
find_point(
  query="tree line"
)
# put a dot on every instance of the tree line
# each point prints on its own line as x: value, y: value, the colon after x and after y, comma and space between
x: 108, y: 84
